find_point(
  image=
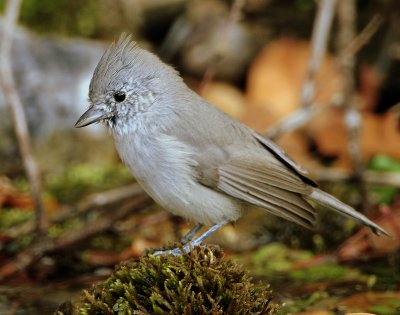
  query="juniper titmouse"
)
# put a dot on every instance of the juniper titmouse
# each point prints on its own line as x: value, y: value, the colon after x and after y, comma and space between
x: 190, y: 157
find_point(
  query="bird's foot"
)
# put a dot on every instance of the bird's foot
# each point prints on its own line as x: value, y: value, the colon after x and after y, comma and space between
x: 196, y: 242
x: 178, y: 251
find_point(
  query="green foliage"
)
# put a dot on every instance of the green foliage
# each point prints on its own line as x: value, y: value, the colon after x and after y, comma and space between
x: 304, y: 5
x: 320, y: 273
x: 12, y: 217
x: 384, y: 163
x: 81, y: 179
x: 110, y: 242
x: 389, y: 308
x: 275, y: 258
x: 302, y: 304
x: 277, y: 261
x: 61, y: 16
x: 58, y: 229
x: 201, y: 282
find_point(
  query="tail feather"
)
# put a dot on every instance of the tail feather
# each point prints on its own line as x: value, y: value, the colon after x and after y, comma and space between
x: 332, y: 203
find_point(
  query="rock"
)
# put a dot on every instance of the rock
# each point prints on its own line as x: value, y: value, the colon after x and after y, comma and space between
x: 52, y: 76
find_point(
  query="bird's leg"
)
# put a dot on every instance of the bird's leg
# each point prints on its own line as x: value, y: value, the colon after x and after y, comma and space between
x: 195, y: 242
x: 189, y: 235
x: 211, y: 230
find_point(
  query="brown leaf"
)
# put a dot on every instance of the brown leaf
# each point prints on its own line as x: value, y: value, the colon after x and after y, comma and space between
x: 365, y: 300
x: 6, y: 190
x: 364, y: 244
x: 379, y: 135
x: 226, y: 97
x: 276, y: 76
x: 101, y: 257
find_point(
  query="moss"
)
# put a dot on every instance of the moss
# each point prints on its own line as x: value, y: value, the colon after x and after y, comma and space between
x: 201, y: 282
x: 279, y: 262
x: 79, y: 180
x: 14, y: 216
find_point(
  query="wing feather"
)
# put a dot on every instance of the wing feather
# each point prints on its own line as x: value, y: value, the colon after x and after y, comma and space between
x: 274, y: 191
x: 271, y: 174
x: 283, y: 157
x: 239, y: 192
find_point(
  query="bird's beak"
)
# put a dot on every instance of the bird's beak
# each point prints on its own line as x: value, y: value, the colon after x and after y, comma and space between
x: 91, y: 116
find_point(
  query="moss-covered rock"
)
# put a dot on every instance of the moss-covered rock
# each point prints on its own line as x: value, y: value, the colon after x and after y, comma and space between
x: 201, y: 282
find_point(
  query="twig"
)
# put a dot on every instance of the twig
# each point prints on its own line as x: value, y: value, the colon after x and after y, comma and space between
x: 97, y: 200
x: 319, y: 40
x: 320, y: 35
x: 92, y: 202
x: 37, y: 250
x: 370, y: 177
x: 346, y: 35
x: 300, y: 117
x: 14, y: 102
x: 361, y: 39
x: 233, y: 17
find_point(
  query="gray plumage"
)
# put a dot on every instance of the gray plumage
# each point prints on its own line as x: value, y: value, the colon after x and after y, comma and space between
x: 190, y: 157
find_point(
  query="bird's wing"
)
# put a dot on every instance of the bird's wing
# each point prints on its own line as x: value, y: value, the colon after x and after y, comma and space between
x: 235, y: 160
x: 283, y: 157
x: 264, y: 184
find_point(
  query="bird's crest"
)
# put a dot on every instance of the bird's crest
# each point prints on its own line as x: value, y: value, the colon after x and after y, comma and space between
x: 120, y: 55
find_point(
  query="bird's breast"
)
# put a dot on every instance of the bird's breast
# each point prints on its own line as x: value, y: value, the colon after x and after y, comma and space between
x: 166, y: 170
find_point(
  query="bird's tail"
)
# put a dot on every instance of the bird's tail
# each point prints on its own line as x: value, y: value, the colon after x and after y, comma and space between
x: 325, y: 199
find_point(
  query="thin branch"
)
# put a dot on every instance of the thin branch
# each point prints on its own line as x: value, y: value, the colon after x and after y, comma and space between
x: 361, y: 39
x: 93, y: 202
x: 47, y: 245
x: 370, y: 177
x: 347, y: 14
x: 300, y: 117
x: 234, y: 16
x: 320, y: 35
x: 319, y: 40
x: 17, y: 110
x: 303, y: 115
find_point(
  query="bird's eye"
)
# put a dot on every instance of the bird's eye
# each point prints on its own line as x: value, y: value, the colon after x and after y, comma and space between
x: 119, y: 96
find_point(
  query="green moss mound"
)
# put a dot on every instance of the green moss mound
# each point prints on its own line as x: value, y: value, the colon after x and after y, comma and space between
x: 201, y: 282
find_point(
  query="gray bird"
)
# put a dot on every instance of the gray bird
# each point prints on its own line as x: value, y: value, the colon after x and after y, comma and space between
x: 190, y: 157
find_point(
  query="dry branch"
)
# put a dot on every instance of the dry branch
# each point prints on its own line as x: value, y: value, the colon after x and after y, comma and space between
x: 17, y: 110
x: 370, y: 177
x: 361, y: 39
x: 91, y: 203
x: 234, y: 16
x: 320, y: 35
x: 38, y: 249
x: 319, y: 40
x: 347, y: 15
x: 303, y: 115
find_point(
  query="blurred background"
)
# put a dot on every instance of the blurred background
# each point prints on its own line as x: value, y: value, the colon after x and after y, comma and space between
x: 319, y: 77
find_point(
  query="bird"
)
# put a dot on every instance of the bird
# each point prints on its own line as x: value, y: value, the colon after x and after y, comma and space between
x: 191, y: 158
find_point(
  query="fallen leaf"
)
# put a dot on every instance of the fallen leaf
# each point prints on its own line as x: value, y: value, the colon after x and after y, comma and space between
x: 276, y: 76
x: 365, y: 244
x: 101, y: 257
x: 6, y: 190
x: 379, y: 135
x: 367, y: 300
x: 226, y: 97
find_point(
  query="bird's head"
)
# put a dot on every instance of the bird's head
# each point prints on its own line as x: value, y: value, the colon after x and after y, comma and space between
x: 125, y: 83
